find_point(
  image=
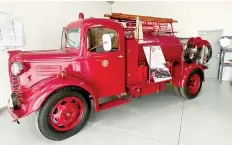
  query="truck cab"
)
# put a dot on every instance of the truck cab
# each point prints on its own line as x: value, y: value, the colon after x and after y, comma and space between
x: 98, y: 58
x: 104, y: 68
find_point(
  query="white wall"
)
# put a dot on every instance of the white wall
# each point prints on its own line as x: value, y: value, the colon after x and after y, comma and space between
x: 43, y: 22
x: 191, y: 16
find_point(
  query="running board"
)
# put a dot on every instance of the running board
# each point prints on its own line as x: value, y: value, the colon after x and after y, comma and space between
x: 113, y: 103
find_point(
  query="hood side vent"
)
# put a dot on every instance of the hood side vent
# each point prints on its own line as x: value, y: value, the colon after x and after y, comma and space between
x: 48, y: 70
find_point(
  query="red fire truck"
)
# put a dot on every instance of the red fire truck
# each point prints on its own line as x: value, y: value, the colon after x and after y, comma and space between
x: 102, y: 57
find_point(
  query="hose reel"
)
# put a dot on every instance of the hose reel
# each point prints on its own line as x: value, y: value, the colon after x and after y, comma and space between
x: 198, y: 50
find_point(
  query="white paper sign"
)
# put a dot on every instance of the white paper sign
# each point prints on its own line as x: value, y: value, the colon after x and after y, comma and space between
x: 156, y: 60
x: 11, y: 30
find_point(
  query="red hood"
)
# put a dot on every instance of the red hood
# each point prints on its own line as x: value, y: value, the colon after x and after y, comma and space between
x: 43, y: 55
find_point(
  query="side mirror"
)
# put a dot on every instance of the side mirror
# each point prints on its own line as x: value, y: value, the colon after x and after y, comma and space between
x: 63, y: 38
x: 107, y: 42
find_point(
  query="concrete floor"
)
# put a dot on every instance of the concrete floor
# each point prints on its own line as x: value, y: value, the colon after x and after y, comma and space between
x: 158, y: 119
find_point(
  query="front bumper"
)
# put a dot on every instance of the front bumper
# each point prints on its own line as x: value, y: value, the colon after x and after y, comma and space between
x: 16, y: 111
x: 30, y: 101
x: 17, y: 114
x: 13, y: 114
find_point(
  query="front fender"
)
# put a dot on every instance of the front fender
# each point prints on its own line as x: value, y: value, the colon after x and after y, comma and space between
x: 37, y: 94
x: 181, y: 72
x: 57, y: 83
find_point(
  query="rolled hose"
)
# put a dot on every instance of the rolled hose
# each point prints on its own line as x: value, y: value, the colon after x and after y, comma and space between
x: 191, y: 46
x: 196, y: 43
x: 209, y: 55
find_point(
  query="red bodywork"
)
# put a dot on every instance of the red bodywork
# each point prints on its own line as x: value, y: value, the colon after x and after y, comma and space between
x: 46, y: 71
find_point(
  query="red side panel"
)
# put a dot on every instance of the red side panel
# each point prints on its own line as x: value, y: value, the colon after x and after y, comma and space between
x: 144, y: 89
x: 141, y: 54
x: 171, y: 46
x: 137, y: 67
x: 153, y: 88
x: 132, y: 62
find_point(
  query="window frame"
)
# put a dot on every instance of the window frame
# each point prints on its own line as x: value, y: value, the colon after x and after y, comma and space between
x: 103, y: 27
x: 67, y: 35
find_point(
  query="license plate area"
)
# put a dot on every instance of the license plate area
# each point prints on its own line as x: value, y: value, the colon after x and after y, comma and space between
x: 13, y: 102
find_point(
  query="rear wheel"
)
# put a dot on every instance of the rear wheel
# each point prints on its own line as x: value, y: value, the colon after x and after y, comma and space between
x: 63, y: 114
x: 192, y: 86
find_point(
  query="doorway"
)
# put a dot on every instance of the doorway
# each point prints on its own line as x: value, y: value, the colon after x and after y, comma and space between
x: 213, y: 36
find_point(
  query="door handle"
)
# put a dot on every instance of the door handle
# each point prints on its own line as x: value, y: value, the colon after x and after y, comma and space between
x: 120, y: 56
x: 217, y: 55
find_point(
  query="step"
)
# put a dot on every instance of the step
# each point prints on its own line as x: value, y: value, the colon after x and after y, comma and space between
x: 113, y: 103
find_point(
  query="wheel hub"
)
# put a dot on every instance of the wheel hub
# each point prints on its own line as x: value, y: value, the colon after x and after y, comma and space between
x: 194, y: 84
x: 66, y: 114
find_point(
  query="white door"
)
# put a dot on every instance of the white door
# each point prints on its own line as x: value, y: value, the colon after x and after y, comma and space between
x: 213, y: 36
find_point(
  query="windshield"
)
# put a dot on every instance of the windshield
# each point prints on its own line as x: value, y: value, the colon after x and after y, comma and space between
x: 71, y: 38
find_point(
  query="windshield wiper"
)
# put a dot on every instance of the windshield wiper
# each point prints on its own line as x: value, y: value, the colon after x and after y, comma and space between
x: 72, y: 42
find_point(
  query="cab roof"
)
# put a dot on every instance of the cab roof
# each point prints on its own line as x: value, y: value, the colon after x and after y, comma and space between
x: 93, y: 21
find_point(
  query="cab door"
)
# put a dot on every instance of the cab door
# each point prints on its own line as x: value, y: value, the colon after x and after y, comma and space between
x: 105, y: 69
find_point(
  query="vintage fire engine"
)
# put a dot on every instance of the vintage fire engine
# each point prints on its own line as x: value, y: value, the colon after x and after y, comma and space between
x: 101, y: 57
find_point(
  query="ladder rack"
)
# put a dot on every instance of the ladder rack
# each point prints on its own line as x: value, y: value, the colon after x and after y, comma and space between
x: 120, y: 16
x: 148, y: 25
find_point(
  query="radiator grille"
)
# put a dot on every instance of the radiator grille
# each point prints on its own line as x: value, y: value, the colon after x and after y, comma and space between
x: 15, y: 86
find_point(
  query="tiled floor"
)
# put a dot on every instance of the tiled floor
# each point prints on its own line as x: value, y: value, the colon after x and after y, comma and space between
x: 151, y: 120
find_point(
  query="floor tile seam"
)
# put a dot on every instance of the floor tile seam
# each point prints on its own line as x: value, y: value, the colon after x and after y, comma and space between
x: 123, y: 131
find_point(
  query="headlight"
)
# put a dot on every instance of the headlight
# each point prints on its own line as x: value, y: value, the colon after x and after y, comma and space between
x: 16, y: 68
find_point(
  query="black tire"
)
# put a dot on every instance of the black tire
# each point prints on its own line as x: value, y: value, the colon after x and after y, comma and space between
x: 177, y: 91
x: 209, y: 54
x: 184, y: 91
x: 43, y: 119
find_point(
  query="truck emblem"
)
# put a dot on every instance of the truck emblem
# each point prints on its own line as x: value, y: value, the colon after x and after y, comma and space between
x: 105, y: 63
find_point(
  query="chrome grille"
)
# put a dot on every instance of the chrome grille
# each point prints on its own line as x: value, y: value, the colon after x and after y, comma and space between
x: 15, y: 86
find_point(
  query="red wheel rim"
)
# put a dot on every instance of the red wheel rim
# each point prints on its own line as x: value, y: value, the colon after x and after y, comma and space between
x: 194, y: 83
x: 66, y: 114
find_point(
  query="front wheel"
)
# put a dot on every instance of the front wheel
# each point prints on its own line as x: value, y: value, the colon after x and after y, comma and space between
x: 192, y: 86
x: 63, y: 114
